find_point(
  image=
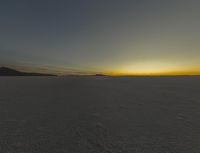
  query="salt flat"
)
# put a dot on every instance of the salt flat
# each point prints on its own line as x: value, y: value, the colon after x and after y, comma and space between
x: 99, y: 114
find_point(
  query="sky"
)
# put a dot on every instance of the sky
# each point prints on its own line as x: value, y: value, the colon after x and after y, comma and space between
x: 117, y: 37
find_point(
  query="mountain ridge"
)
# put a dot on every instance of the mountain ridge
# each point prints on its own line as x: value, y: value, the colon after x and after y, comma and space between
x: 5, y: 71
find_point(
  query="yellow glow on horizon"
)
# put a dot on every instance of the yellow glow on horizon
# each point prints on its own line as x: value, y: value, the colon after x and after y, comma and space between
x: 156, y: 73
x: 154, y: 69
x: 136, y: 69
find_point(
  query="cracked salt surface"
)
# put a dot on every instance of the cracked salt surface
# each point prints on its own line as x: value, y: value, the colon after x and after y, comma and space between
x: 99, y: 114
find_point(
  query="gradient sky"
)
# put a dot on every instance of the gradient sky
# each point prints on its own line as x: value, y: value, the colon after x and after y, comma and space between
x: 130, y: 37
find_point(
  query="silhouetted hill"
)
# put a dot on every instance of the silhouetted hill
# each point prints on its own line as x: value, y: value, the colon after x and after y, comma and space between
x: 100, y: 75
x: 4, y: 71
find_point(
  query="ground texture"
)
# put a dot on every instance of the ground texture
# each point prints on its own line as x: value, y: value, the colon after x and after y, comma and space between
x: 100, y: 115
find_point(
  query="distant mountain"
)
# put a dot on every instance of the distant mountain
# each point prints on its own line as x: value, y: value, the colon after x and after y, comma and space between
x: 4, y: 71
x: 100, y: 75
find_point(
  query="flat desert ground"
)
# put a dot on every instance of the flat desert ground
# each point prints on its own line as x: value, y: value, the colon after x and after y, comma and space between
x: 99, y: 114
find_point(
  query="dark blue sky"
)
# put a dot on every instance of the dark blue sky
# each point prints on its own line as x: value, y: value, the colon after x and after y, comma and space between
x: 111, y: 36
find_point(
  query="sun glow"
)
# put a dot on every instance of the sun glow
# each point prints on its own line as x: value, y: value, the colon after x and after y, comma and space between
x: 155, y: 69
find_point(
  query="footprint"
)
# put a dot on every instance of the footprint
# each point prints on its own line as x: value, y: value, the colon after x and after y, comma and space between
x: 180, y: 117
x: 140, y: 104
x: 123, y: 107
x: 95, y: 116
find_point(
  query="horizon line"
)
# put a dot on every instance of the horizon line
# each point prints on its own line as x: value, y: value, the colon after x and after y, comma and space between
x: 114, y: 74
